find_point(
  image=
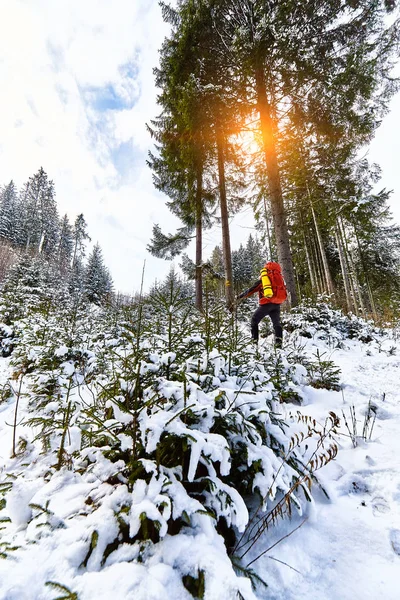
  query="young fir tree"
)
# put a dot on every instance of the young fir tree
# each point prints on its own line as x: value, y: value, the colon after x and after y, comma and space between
x: 24, y: 288
x: 65, y: 246
x: 8, y: 213
x: 40, y: 228
x: 79, y: 238
x: 97, y: 279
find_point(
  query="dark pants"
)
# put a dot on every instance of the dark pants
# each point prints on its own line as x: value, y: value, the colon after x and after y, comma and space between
x: 274, y: 312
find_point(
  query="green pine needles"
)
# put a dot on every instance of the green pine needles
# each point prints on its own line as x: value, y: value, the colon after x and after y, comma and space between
x: 171, y: 423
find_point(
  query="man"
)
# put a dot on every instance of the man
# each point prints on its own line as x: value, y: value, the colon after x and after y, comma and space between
x: 269, y: 302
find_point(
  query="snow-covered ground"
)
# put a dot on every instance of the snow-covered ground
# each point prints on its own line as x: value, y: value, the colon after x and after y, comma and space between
x: 347, y: 548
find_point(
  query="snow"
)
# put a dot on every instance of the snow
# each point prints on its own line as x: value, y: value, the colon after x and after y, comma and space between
x: 350, y: 548
x: 343, y: 547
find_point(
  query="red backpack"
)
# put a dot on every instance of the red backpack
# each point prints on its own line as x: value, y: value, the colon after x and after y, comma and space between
x: 277, y: 283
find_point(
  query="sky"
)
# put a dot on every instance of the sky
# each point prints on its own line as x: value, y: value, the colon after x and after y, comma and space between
x: 77, y: 89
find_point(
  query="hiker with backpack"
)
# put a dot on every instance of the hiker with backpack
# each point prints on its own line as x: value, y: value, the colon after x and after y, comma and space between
x: 272, y: 292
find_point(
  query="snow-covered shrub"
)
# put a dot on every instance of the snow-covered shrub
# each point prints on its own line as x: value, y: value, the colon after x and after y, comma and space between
x: 322, y: 320
x: 164, y: 431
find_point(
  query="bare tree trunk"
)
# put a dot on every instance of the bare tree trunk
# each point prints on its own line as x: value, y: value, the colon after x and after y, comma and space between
x: 226, y: 243
x: 318, y: 267
x: 347, y: 259
x: 355, y: 284
x: 308, y: 256
x: 310, y: 265
x: 365, y: 275
x: 274, y: 184
x: 42, y: 238
x: 199, y: 239
x: 343, y: 267
x: 327, y: 272
x: 268, y: 230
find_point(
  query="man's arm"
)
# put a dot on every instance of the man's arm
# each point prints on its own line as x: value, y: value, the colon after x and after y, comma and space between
x: 252, y: 290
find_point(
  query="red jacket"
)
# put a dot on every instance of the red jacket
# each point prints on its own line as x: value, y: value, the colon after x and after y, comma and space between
x: 256, y: 287
x: 279, y: 292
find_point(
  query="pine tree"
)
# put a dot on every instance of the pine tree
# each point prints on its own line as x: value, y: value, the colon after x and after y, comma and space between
x: 40, y: 228
x: 330, y: 62
x: 65, y: 246
x: 80, y: 237
x: 97, y: 279
x: 199, y: 114
x: 8, y: 213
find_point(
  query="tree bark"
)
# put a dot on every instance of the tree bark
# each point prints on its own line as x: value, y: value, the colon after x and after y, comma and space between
x: 365, y: 275
x: 274, y: 184
x: 226, y: 243
x: 355, y: 284
x: 310, y: 265
x: 343, y: 267
x: 199, y: 239
x: 270, y: 256
x: 327, y: 272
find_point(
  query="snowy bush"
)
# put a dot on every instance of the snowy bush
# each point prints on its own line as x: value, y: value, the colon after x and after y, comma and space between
x: 155, y: 436
x: 322, y: 320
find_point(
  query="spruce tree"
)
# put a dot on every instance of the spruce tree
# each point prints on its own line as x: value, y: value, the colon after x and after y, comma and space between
x: 97, y: 279
x: 181, y: 134
x: 331, y: 61
x: 40, y: 228
x: 65, y: 245
x: 80, y: 237
x: 8, y: 213
x: 200, y: 114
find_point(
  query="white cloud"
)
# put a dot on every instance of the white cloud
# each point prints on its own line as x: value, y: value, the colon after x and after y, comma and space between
x: 60, y: 59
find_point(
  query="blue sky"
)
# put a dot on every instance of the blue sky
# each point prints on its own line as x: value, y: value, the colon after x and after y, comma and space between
x: 79, y: 91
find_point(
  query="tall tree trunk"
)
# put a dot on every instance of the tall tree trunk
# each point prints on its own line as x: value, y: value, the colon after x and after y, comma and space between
x: 308, y: 256
x: 226, y: 243
x: 365, y: 275
x: 274, y: 184
x: 355, y: 285
x: 271, y: 257
x: 348, y: 269
x: 321, y: 284
x: 327, y: 272
x: 313, y: 278
x: 199, y: 239
x: 343, y: 267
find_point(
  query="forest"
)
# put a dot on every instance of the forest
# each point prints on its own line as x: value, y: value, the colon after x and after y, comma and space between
x: 34, y: 238
x: 273, y: 104
x: 148, y: 449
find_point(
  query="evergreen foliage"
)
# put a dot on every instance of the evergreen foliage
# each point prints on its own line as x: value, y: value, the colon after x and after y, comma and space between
x: 39, y: 252
x: 80, y: 237
x: 65, y: 245
x: 247, y: 262
x: 8, y: 213
x: 40, y: 222
x: 97, y: 279
x: 310, y: 85
x: 170, y: 423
